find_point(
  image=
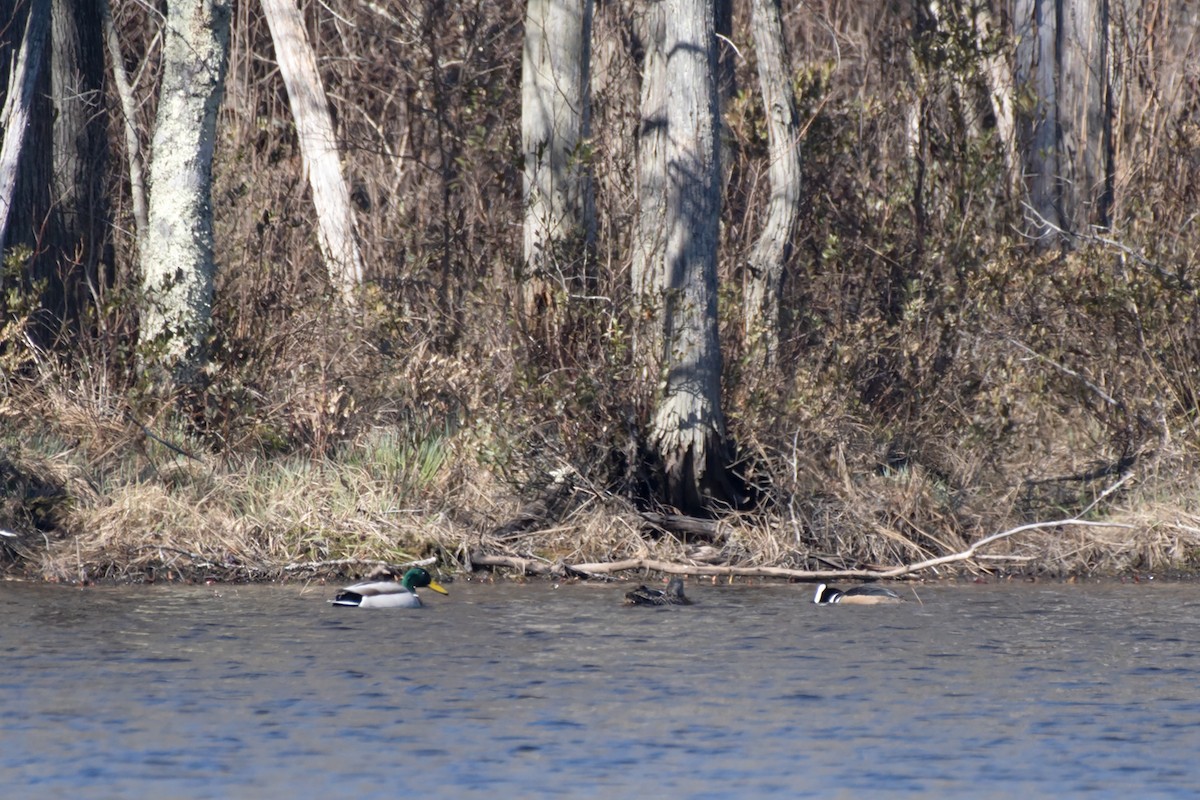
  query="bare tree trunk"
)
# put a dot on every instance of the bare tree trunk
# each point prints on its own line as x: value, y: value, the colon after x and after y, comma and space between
x: 764, y: 279
x: 1083, y: 115
x: 1066, y: 139
x: 177, y: 251
x: 1035, y: 23
x: 314, y: 128
x: 998, y: 80
x: 555, y: 121
x: 80, y: 143
x: 650, y: 245
x: 688, y: 429
x: 18, y: 103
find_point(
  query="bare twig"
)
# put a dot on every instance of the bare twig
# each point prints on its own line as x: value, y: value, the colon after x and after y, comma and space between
x: 1066, y: 371
x: 1089, y: 238
x: 151, y: 434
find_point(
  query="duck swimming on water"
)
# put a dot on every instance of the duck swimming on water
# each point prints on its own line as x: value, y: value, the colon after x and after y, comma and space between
x: 867, y: 594
x: 671, y: 596
x: 388, y: 594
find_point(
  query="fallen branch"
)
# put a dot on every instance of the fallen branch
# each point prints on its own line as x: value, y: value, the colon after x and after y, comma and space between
x: 969, y: 553
x: 526, y: 566
x: 686, y: 528
x: 530, y: 566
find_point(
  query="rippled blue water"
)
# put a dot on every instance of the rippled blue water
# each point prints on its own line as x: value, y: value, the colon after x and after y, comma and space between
x: 534, y: 691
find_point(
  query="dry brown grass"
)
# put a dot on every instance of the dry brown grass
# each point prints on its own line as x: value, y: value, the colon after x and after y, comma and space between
x: 359, y: 455
x: 292, y: 518
x: 937, y: 385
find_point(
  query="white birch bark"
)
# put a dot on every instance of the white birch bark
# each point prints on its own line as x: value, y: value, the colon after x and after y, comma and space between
x: 177, y: 250
x: 318, y: 147
x: 555, y: 120
x: 18, y: 102
x: 764, y: 279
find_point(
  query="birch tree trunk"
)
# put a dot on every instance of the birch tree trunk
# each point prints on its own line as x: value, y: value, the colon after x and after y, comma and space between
x: 764, y: 279
x: 318, y: 147
x: 682, y: 164
x: 18, y: 104
x: 555, y: 121
x: 177, y: 250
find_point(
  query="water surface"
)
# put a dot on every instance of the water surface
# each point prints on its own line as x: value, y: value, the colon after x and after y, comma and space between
x: 542, y: 691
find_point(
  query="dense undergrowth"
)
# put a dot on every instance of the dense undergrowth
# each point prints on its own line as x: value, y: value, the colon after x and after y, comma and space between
x: 941, y: 378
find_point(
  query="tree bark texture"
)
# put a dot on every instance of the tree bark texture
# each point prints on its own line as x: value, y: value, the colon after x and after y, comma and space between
x: 555, y: 122
x: 177, y: 250
x: 998, y: 83
x: 764, y: 278
x: 1034, y: 29
x: 80, y: 146
x: 17, y: 112
x: 1085, y: 119
x: 318, y: 147
x: 1062, y: 63
x: 688, y: 429
x: 650, y: 245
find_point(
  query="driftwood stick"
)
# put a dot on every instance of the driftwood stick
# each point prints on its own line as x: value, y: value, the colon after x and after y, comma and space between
x: 527, y: 566
x: 684, y: 526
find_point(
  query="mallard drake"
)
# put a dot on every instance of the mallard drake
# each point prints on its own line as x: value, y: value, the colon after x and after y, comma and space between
x: 388, y: 594
x: 867, y: 594
x: 671, y: 596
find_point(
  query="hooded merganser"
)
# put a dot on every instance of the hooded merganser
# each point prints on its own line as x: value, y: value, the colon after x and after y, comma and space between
x: 671, y: 596
x: 388, y: 594
x: 867, y: 594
